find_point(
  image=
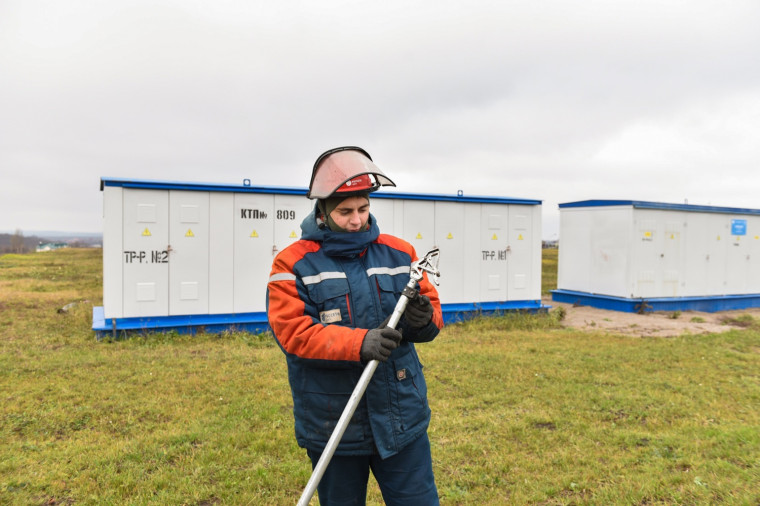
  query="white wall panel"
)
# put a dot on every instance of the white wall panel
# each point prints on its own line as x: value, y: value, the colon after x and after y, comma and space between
x: 519, y: 252
x: 449, y: 238
x: 753, y: 238
x: 419, y: 225
x: 113, y: 258
x: 574, y: 269
x: 221, y: 273
x: 254, y: 249
x: 495, y: 250
x: 383, y: 210
x: 189, y: 258
x: 146, y: 254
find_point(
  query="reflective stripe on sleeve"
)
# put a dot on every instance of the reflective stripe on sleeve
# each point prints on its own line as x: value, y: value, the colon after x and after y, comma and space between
x: 282, y: 276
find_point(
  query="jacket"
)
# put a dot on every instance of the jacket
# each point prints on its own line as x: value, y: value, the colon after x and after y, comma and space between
x: 324, y: 292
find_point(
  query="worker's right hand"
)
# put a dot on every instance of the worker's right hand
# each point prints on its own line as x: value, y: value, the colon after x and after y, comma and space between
x: 379, y: 343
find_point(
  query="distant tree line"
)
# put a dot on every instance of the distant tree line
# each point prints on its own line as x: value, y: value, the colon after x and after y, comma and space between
x: 17, y: 242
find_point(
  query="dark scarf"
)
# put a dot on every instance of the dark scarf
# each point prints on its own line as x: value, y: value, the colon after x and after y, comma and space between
x: 345, y: 244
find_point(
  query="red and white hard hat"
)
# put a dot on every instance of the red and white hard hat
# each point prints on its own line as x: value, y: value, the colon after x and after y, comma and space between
x: 345, y: 171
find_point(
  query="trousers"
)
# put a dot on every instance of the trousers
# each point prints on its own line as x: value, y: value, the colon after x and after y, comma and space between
x: 405, y: 479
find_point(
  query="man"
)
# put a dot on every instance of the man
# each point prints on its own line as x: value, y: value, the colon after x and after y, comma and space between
x: 328, y: 300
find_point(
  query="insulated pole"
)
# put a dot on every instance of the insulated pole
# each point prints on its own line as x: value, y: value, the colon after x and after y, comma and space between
x: 423, y: 265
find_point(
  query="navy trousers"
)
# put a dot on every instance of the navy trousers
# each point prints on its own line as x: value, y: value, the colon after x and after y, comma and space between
x: 405, y: 479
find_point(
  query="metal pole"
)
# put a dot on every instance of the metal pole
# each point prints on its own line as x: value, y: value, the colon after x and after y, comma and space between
x: 319, y: 470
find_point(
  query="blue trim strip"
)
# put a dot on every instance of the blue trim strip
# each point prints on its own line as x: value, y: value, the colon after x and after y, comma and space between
x: 455, y: 198
x: 639, y: 204
x: 279, y: 190
x: 707, y: 304
x: 184, y: 324
x: 453, y: 313
x: 257, y: 322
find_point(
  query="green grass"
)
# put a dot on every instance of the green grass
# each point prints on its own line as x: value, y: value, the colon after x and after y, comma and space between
x: 549, y: 262
x: 524, y: 412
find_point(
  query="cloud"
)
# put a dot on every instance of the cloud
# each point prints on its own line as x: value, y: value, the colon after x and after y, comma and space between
x: 552, y: 100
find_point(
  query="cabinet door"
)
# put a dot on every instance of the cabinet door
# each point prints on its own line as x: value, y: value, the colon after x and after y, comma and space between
x: 494, y: 240
x: 146, y: 253
x: 189, y: 256
x: 254, y: 250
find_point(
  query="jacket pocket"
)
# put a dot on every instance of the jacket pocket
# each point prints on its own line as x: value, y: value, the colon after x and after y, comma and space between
x: 389, y: 290
x: 410, y: 392
x: 331, y: 300
x: 325, y: 395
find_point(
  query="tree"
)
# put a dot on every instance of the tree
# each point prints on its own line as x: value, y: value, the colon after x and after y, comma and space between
x: 17, y: 242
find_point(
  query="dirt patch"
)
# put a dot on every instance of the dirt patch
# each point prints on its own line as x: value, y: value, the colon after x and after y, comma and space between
x: 653, y: 324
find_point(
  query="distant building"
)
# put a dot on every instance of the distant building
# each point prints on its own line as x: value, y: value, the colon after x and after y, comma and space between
x: 50, y: 246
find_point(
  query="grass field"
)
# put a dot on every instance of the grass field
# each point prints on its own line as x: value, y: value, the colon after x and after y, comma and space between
x: 524, y: 411
x: 549, y: 262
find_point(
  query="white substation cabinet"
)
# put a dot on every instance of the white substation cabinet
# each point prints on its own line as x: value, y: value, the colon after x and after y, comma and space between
x: 619, y: 254
x: 178, y: 255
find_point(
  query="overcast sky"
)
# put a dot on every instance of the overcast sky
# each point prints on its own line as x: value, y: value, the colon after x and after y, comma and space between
x: 557, y: 100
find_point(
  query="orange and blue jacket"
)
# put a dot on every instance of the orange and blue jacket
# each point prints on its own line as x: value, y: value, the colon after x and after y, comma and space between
x: 324, y: 292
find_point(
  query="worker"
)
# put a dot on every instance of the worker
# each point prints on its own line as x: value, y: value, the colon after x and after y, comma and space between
x: 329, y: 297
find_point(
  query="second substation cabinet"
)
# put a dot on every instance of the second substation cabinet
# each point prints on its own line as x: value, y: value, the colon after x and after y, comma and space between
x: 636, y: 256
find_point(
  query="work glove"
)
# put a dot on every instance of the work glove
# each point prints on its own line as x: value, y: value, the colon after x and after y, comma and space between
x: 379, y: 343
x: 419, y: 311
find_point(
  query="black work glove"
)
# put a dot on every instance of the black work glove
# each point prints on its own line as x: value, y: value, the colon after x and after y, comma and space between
x: 379, y: 343
x: 419, y: 311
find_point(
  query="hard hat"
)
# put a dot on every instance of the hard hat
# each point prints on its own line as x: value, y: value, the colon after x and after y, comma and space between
x: 345, y: 171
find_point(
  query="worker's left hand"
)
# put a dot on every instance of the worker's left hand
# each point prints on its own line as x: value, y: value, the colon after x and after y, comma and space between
x: 419, y: 311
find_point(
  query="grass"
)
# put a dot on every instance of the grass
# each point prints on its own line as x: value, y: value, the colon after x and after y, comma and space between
x: 549, y: 263
x: 524, y: 411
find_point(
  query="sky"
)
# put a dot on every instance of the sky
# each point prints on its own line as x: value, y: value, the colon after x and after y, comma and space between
x: 555, y: 100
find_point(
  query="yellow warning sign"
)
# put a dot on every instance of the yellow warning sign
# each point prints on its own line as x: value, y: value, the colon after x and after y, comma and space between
x: 494, y: 238
x: 757, y: 237
x: 293, y: 234
x: 719, y: 238
x: 254, y: 234
x: 647, y: 234
x: 189, y: 233
x: 520, y: 237
x: 449, y: 236
x: 419, y: 235
x: 738, y: 238
x: 672, y: 236
x: 146, y: 233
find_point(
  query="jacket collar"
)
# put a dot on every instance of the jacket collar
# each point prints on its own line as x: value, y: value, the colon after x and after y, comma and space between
x: 345, y: 244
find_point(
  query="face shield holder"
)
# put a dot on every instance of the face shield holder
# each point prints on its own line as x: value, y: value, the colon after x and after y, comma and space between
x: 336, y: 167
